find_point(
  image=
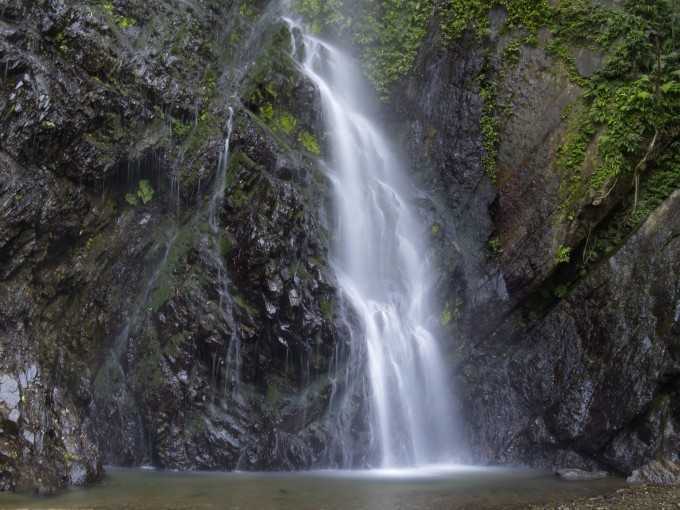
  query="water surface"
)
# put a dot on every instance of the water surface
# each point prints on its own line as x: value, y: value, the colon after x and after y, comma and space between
x: 434, y: 488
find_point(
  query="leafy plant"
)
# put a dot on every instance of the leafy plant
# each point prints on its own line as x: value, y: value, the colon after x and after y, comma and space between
x: 389, y: 32
x: 309, y: 142
x: 143, y: 194
x: 495, y: 246
x: 563, y: 254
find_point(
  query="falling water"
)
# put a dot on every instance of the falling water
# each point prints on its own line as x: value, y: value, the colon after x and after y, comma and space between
x: 233, y: 345
x: 217, y: 199
x: 380, y: 259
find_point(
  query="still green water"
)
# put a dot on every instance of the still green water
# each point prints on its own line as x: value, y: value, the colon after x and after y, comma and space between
x: 435, y: 488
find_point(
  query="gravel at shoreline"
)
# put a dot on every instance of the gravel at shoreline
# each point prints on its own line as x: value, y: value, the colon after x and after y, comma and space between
x: 643, y: 497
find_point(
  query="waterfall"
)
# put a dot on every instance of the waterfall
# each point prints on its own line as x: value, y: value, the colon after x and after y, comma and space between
x: 380, y: 258
x: 232, y: 356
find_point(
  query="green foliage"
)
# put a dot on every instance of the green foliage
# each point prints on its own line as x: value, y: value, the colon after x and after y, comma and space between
x: 447, y: 315
x: 180, y: 129
x: 323, y: 14
x: 309, y: 142
x: 60, y: 39
x: 143, y: 194
x: 209, y: 84
x: 131, y: 198
x: 495, y: 246
x: 247, y: 11
x: 457, y: 16
x: 226, y: 246
x: 242, y: 303
x: 123, y: 22
x: 267, y: 112
x: 389, y: 32
x: 489, y: 127
x: 561, y: 291
x: 633, y: 101
x: 654, y: 190
x: 285, y: 123
x: 451, y: 312
x: 326, y: 307
x: 563, y: 255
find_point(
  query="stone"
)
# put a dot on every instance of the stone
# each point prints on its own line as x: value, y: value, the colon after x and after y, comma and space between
x: 580, y: 475
x: 656, y: 472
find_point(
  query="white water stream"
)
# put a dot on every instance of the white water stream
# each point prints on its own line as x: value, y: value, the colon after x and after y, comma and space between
x: 380, y: 257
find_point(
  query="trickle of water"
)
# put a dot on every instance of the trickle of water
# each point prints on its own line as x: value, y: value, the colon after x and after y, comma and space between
x: 217, y: 199
x: 232, y: 355
x: 379, y: 257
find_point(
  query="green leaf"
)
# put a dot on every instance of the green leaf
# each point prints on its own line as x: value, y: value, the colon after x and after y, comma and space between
x: 145, y: 191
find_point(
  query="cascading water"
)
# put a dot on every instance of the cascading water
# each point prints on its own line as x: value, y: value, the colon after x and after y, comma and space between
x: 232, y: 367
x: 380, y: 259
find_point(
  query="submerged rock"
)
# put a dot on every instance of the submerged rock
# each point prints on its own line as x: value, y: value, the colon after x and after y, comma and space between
x: 580, y: 475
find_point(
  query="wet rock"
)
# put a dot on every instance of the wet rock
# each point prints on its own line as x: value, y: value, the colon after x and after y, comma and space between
x: 657, y: 472
x: 579, y: 475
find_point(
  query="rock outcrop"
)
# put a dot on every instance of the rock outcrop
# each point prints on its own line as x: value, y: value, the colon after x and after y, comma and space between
x: 657, y: 472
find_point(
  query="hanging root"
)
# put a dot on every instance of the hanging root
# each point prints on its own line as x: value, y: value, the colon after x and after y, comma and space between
x: 641, y: 166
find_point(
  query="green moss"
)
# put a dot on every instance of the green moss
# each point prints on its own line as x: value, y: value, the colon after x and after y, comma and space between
x: 495, y: 246
x: 174, y: 344
x: 207, y: 127
x: 247, y: 11
x: 489, y: 125
x: 226, y: 246
x: 451, y: 312
x: 285, y: 123
x: 60, y: 40
x: 267, y: 112
x: 160, y: 296
x: 273, y: 394
x: 446, y: 316
x: 561, y: 291
x: 242, y: 303
x: 147, y: 372
x: 165, y: 284
x: 180, y: 129
x: 123, y: 22
x: 326, y: 307
x: 309, y: 142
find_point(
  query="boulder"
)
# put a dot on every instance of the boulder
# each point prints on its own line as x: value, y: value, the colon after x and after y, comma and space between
x: 657, y: 472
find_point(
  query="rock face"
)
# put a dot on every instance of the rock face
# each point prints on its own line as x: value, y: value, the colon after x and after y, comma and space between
x: 657, y: 472
x: 554, y: 366
x: 149, y: 316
